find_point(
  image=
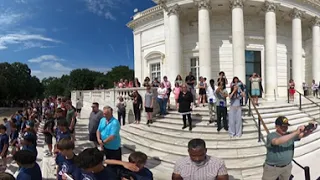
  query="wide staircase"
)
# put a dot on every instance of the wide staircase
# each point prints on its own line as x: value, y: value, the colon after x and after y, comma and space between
x: 165, y: 141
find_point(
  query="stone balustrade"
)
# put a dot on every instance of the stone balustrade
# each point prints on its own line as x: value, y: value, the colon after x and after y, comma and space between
x: 110, y: 97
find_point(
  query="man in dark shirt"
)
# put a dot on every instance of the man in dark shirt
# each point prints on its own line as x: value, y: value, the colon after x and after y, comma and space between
x: 94, y: 121
x: 191, y: 80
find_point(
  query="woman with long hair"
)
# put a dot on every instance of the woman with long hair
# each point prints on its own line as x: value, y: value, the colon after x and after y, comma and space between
x: 178, y: 80
x: 162, y: 99
x: 235, y: 113
x: 137, y: 106
x: 185, y: 106
x: 202, y: 91
x: 221, y: 95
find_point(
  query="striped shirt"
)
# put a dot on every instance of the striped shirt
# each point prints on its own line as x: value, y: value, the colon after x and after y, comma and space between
x: 210, y: 170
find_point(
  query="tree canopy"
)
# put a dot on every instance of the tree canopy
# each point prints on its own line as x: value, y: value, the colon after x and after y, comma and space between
x: 17, y: 83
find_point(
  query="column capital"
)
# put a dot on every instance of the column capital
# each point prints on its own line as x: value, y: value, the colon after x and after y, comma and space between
x: 203, y: 4
x: 296, y: 13
x: 236, y: 4
x: 270, y: 6
x: 175, y: 9
x: 315, y: 21
x: 163, y: 4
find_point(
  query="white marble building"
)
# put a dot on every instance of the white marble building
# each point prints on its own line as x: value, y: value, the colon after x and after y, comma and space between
x: 278, y: 39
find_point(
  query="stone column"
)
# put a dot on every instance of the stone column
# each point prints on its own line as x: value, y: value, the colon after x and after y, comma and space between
x: 204, y: 38
x: 175, y: 43
x: 270, y: 50
x: 316, y: 49
x: 297, y: 68
x: 238, y: 48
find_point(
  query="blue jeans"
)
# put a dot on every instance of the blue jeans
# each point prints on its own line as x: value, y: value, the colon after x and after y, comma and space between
x: 162, y: 105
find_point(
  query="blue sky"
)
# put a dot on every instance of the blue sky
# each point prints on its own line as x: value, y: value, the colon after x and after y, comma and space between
x: 55, y: 36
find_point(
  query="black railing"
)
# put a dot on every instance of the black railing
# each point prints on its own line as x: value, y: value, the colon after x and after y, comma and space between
x: 306, y: 170
x: 300, y: 102
x: 260, y: 120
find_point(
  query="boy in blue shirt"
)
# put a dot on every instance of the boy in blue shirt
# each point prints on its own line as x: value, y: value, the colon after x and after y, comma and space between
x: 91, y: 162
x: 135, y: 168
x: 28, y: 142
x: 4, y: 144
x: 29, y: 168
x: 65, y: 160
x: 14, y: 138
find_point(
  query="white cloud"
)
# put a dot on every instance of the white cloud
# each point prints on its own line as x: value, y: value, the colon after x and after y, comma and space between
x: 43, y: 58
x: 29, y: 40
x: 100, y: 69
x: 7, y: 17
x: 21, y: 1
x: 49, y: 66
x: 104, y: 7
x: 56, y: 66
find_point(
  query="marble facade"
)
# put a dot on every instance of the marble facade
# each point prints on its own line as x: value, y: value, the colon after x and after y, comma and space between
x: 208, y: 36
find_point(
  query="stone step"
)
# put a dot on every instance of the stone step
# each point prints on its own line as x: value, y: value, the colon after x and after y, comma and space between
x: 198, y: 129
x: 196, y: 120
x: 187, y: 135
x: 153, y: 151
x: 171, y: 148
x: 217, y: 144
x: 200, y: 116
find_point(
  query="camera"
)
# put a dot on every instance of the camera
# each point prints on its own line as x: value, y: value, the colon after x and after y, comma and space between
x: 309, y: 127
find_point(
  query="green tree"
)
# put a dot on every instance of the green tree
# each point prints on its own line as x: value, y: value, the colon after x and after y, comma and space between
x: 119, y: 72
x: 83, y: 79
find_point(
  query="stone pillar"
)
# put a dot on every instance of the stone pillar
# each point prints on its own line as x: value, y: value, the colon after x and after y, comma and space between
x: 238, y: 48
x: 175, y: 43
x: 297, y: 68
x: 316, y: 49
x: 270, y: 50
x: 204, y: 38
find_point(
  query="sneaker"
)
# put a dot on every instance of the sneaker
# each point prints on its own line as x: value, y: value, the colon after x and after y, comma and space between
x: 48, y: 154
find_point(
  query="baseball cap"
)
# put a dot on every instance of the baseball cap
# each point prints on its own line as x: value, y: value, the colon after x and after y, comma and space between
x: 30, y: 124
x: 282, y: 121
x: 28, y: 136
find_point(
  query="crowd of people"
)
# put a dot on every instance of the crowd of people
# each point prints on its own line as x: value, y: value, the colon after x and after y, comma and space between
x: 19, y: 137
x: 213, y: 94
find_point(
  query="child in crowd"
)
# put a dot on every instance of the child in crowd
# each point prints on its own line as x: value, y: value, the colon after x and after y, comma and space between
x: 29, y: 168
x: 91, y: 161
x: 14, y: 138
x: 4, y: 145
x: 8, y: 126
x: 135, y: 168
x: 65, y: 160
x: 176, y: 92
x: 121, y: 106
x: 28, y: 142
x: 48, y: 131
x: 61, y: 132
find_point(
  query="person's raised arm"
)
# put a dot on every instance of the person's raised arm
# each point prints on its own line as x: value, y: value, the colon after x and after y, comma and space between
x: 288, y: 137
x: 127, y: 165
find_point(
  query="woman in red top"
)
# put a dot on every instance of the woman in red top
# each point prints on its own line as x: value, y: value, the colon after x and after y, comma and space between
x: 291, y: 90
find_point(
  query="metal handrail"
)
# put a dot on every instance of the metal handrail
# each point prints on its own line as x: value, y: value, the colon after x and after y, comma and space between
x: 260, y: 120
x: 300, y: 103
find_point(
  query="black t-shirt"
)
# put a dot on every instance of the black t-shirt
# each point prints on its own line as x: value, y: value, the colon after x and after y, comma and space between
x: 189, y: 80
x: 48, y: 126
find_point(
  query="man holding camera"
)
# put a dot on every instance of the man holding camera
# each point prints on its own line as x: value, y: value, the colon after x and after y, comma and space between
x: 280, y: 149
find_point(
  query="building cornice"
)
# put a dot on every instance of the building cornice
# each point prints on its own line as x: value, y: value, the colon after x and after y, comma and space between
x: 146, y: 15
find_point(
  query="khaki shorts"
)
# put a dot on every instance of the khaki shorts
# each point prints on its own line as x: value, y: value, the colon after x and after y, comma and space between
x: 272, y: 172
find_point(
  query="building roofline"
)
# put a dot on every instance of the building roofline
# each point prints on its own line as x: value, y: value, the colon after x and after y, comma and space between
x: 144, y: 15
